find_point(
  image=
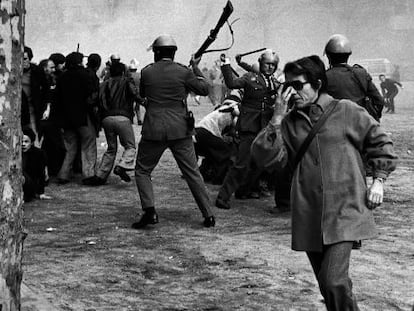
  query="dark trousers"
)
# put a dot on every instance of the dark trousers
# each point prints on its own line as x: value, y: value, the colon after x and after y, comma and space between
x: 53, y: 146
x: 331, y: 270
x: 283, y: 181
x: 240, y: 176
x: 390, y: 101
x: 149, y: 154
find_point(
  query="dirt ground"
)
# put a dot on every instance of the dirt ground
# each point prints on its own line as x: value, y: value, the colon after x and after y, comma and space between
x: 81, y: 254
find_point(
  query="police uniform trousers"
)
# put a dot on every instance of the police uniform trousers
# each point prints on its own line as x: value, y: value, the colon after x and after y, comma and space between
x: 240, y: 176
x: 149, y: 154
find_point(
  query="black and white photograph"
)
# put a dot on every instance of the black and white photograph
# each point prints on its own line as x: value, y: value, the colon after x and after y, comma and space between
x: 206, y: 155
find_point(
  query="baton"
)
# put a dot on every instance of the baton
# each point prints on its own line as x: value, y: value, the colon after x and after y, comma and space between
x: 252, y: 52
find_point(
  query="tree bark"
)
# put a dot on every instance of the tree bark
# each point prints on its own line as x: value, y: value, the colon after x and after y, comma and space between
x: 11, y: 214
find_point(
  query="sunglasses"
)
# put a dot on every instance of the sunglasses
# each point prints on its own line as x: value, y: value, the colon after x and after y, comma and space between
x: 297, y: 85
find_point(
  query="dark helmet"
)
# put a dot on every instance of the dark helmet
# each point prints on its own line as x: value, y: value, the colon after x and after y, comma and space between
x: 164, y: 41
x: 338, y: 44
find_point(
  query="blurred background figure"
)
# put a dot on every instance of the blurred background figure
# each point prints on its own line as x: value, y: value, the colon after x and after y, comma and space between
x: 389, y: 90
x: 136, y: 76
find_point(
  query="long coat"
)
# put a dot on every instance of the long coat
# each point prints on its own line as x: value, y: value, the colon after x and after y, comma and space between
x: 328, y: 195
x: 257, y: 105
x: 73, y: 90
x: 165, y: 86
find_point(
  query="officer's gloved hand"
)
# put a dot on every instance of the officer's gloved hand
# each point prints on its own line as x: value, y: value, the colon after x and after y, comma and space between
x: 238, y: 58
x: 195, y: 61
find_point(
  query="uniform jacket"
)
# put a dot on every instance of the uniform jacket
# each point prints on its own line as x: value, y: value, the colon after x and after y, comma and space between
x: 73, y: 90
x: 257, y: 105
x: 328, y: 195
x: 117, y: 96
x: 343, y: 85
x: 165, y: 86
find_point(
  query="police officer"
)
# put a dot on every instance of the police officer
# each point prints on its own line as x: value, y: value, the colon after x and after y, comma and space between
x: 165, y: 85
x: 255, y: 112
x: 350, y: 82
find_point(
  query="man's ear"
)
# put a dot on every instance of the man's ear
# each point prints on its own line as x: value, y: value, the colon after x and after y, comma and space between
x: 319, y: 84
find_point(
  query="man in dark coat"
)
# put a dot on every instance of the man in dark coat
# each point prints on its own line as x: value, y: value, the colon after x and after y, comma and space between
x: 35, y: 92
x: 165, y: 85
x: 73, y: 91
x: 256, y: 109
x: 389, y: 90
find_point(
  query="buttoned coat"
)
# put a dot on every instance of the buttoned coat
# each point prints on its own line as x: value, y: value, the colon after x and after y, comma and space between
x: 165, y: 85
x: 257, y: 105
x: 329, y: 191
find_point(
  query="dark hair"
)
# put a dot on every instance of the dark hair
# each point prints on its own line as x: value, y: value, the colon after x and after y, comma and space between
x: 312, y: 68
x: 381, y: 75
x: 29, y: 132
x: 338, y: 58
x: 43, y: 63
x: 117, y: 69
x: 57, y: 58
x: 74, y: 60
x: 94, y: 61
x: 164, y: 52
x: 29, y: 52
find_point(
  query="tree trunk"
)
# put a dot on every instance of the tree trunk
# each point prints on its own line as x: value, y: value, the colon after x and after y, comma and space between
x: 11, y: 215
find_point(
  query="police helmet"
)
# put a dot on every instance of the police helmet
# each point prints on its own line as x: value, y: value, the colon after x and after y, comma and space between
x: 338, y: 44
x: 164, y: 41
x: 269, y: 56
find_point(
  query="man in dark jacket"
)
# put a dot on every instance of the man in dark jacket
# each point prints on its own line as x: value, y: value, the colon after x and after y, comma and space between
x: 389, y: 91
x: 350, y: 82
x: 73, y: 90
x: 116, y: 98
x: 255, y: 111
x: 35, y: 92
x: 165, y: 84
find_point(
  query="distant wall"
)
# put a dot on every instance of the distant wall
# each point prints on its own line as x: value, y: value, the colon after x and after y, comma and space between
x: 294, y: 28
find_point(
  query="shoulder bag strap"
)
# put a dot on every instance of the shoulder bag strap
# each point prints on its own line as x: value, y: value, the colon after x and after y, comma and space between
x: 315, y: 129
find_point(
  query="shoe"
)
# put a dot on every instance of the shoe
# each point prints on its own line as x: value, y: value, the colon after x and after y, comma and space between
x: 240, y: 195
x: 94, y: 181
x: 265, y: 194
x: 149, y: 218
x: 62, y: 181
x: 209, y: 222
x: 220, y: 203
x: 121, y: 172
x: 280, y: 210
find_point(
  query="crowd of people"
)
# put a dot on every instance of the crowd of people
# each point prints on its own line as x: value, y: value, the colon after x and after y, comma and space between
x: 312, y: 135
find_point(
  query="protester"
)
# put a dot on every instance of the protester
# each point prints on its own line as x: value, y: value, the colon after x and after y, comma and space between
x: 34, y: 168
x: 136, y: 76
x: 331, y: 203
x: 389, y: 90
x: 34, y: 89
x: 165, y: 85
x: 212, y: 139
x: 116, y: 100
x: 73, y: 91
